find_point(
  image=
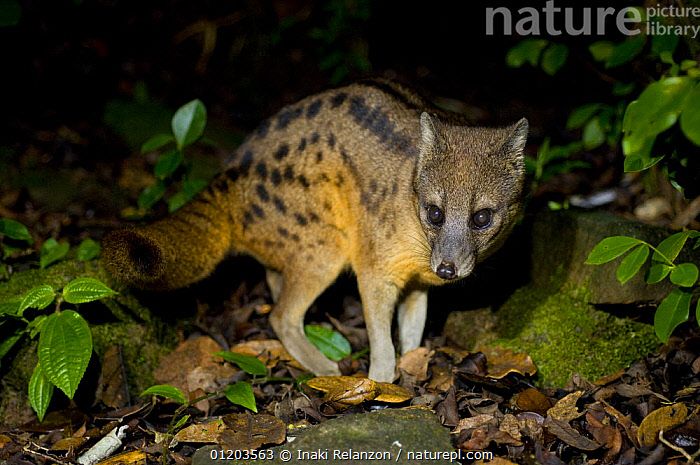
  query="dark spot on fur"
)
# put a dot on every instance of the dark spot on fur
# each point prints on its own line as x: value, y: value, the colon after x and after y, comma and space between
x: 283, y: 231
x: 384, y: 191
x: 288, y: 173
x: 261, y: 169
x: 262, y: 193
x: 246, y: 162
x: 288, y: 115
x: 301, y: 219
x: 313, y: 217
x: 394, y: 188
x: 257, y: 210
x: 338, y: 99
x: 377, y: 121
x: 263, y: 128
x: 302, y: 144
x: 275, y: 177
x: 220, y: 184
x: 247, y: 218
x: 327, y: 205
x: 269, y: 243
x: 324, y: 177
x: 339, y: 180
x: 321, y: 242
x: 314, y: 137
x: 390, y: 89
x: 373, y: 186
x: 282, y: 152
x: 279, y: 204
x: 319, y: 156
x: 331, y: 140
x: 295, y: 237
x: 232, y: 173
x: 303, y: 181
x: 314, y: 108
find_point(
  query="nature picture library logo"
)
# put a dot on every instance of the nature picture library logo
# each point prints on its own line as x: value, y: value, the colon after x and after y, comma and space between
x: 557, y: 20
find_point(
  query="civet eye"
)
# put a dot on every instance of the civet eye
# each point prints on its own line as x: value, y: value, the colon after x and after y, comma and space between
x: 435, y: 215
x: 482, y: 218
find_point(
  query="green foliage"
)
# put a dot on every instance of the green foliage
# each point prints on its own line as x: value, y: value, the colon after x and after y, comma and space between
x: 247, y: 363
x: 550, y: 56
x: 331, y: 343
x: 241, y: 393
x: 52, y: 251
x: 65, y: 340
x: 674, y: 309
x: 14, y: 230
x: 167, y: 391
x: 88, y: 250
x: 187, y: 125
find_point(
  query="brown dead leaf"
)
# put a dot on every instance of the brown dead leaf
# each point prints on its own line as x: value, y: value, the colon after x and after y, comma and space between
x: 456, y: 354
x: 509, y: 425
x: 206, y: 433
x: 474, y: 422
x: 630, y: 428
x: 565, y: 409
x: 4, y: 440
x: 248, y: 432
x: 532, y: 400
x: 415, y: 363
x: 345, y: 390
x: 661, y: 419
x: 68, y: 444
x: 531, y: 425
x: 393, y: 394
x: 112, y: 389
x: 609, y: 378
x: 564, y: 431
x: 495, y: 461
x: 135, y: 457
x: 605, y: 434
x: 502, y: 361
x: 442, y: 379
x: 268, y: 351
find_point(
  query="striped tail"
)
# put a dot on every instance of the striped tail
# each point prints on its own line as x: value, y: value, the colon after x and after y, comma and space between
x: 173, y: 252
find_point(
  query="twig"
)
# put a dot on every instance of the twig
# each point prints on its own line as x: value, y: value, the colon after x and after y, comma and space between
x: 43, y: 456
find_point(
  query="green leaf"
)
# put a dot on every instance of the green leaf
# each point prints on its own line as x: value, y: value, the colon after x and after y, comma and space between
x: 190, y: 188
x: 8, y: 343
x: 188, y: 123
x: 672, y: 311
x: 40, y: 392
x: 601, y: 50
x: 88, y: 250
x: 181, y: 422
x: 625, y: 51
x: 82, y: 290
x: 14, y: 230
x: 593, y: 135
x: 656, y: 110
x: 10, y: 307
x: 65, y: 347
x: 167, y: 391
x: 623, y: 88
x: 38, y: 297
x: 156, y: 142
x: 690, y: 117
x: 193, y: 186
x: 684, y: 275
x: 151, y: 195
x: 632, y: 263
x: 36, y: 325
x: 241, y: 393
x: 671, y: 247
x: 526, y: 51
x: 247, y: 363
x: 52, y: 251
x: 661, y: 43
x: 168, y: 163
x: 331, y: 343
x: 582, y: 114
x: 554, y: 57
x: 610, y: 248
x: 10, y: 12
x: 657, y: 272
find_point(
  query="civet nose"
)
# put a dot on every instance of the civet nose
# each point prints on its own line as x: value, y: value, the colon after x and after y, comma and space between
x: 446, y: 270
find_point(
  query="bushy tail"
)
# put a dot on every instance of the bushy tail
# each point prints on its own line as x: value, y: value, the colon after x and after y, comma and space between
x: 171, y: 253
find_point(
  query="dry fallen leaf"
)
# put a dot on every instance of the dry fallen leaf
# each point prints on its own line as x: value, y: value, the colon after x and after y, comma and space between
x: 442, y: 380
x: 268, y: 351
x: 248, y: 432
x: 661, y: 419
x: 509, y: 425
x: 501, y: 361
x: 607, y: 435
x: 415, y: 363
x: 206, y: 433
x: 565, y: 409
x: 474, y: 422
x: 67, y: 444
x: 135, y: 457
x: 564, y: 431
x: 495, y: 461
x: 630, y: 428
x: 532, y: 400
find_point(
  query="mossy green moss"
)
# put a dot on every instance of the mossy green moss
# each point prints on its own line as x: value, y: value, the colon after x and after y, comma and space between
x: 565, y: 335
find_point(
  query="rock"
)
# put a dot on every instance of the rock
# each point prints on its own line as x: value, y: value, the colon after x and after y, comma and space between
x: 389, y: 431
x: 561, y: 242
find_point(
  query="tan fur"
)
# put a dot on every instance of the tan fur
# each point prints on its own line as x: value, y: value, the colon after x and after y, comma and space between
x: 342, y: 179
